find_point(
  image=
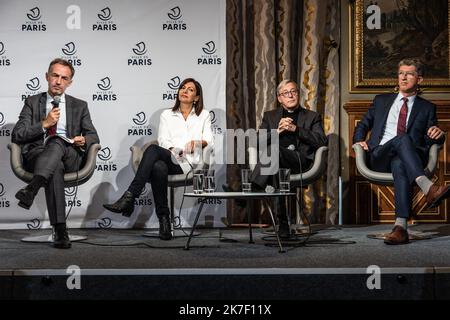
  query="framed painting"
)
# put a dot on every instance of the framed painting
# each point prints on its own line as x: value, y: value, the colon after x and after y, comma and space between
x: 386, y: 31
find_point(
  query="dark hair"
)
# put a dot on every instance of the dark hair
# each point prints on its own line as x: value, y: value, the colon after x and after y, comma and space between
x: 64, y: 63
x: 198, y: 106
x: 413, y: 62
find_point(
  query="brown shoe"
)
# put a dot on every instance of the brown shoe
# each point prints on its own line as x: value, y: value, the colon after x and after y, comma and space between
x: 436, y: 194
x: 397, y: 236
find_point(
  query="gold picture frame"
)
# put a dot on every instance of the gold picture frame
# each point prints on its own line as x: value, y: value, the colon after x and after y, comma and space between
x: 385, y: 32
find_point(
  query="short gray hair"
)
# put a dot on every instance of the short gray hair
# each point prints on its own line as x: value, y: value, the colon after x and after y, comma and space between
x: 284, y: 83
x: 412, y: 62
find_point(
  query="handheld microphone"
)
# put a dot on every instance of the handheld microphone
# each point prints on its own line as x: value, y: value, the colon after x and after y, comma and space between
x: 56, y: 101
x: 51, y: 131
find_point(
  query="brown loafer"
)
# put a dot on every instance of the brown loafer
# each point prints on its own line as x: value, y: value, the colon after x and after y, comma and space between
x: 436, y: 194
x: 398, y: 236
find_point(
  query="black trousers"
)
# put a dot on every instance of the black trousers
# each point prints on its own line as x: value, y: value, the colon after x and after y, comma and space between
x: 156, y: 165
x: 52, y: 161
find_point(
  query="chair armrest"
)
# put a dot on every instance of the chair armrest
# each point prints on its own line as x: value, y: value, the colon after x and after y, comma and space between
x: 17, y: 163
x: 136, y: 157
x: 433, y: 156
x: 208, y: 156
x: 70, y: 179
x: 384, y: 178
x: 317, y: 169
x: 86, y: 172
x: 138, y: 152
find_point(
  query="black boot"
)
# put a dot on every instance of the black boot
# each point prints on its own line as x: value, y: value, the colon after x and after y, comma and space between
x: 165, y: 227
x: 125, y: 205
x: 26, y: 195
x: 61, y: 238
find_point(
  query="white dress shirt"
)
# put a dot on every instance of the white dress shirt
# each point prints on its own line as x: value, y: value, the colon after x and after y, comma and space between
x: 390, y: 131
x: 175, y: 132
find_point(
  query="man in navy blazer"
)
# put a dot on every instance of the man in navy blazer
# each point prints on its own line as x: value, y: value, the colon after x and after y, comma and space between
x: 46, y: 124
x: 403, y: 127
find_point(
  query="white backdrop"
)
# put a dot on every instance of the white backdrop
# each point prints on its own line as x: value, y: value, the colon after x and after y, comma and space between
x: 129, y: 58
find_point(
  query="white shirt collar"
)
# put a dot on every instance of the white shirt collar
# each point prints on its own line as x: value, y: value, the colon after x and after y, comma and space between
x: 178, y: 112
x: 50, y: 98
x: 410, y: 98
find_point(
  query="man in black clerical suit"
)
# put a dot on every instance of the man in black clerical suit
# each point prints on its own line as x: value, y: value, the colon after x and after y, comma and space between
x: 300, y: 134
x: 54, y: 131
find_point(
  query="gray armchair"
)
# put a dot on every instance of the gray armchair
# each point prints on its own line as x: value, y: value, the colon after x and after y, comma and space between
x: 175, y: 181
x: 385, y: 178
x: 70, y: 179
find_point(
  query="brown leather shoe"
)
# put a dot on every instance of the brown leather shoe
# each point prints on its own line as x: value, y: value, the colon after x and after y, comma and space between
x: 436, y: 194
x: 398, y: 236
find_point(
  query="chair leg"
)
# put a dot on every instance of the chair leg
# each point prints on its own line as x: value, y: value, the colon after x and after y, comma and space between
x: 302, y: 221
x: 177, y: 232
x: 172, y: 204
x: 287, y: 204
x: 249, y: 211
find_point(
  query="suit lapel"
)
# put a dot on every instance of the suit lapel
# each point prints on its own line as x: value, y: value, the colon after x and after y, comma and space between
x: 42, y: 107
x: 277, y: 118
x: 69, y: 116
x: 414, y: 112
x: 301, y: 118
x: 387, y: 106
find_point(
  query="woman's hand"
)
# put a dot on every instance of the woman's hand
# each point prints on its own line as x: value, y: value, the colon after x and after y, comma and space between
x: 193, y: 144
x: 177, y: 152
x: 190, y: 146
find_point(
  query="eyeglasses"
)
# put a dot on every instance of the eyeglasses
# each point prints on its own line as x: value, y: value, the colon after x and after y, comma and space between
x: 409, y: 74
x: 286, y: 94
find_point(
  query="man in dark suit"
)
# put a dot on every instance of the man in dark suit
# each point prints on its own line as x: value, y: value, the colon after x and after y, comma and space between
x: 54, y: 131
x: 300, y: 133
x: 403, y: 127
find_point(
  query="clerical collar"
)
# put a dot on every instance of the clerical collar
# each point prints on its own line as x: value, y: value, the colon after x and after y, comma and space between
x: 291, y: 112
